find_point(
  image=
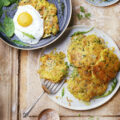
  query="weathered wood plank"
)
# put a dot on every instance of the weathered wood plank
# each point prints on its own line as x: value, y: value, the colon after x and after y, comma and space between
x: 14, y: 86
x: 8, y: 82
x: 80, y: 118
x: 90, y: 118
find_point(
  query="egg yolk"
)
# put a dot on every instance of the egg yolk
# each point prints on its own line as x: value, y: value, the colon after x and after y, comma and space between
x: 24, y: 19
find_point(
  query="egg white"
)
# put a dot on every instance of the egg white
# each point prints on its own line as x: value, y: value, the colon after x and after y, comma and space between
x: 36, y: 29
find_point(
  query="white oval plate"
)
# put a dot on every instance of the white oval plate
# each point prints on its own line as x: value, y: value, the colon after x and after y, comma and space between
x: 62, y: 45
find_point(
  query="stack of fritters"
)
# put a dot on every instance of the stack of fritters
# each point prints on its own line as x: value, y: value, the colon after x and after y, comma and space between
x: 95, y: 64
x: 49, y: 14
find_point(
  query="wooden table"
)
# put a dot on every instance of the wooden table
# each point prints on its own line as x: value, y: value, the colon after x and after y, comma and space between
x: 20, y: 84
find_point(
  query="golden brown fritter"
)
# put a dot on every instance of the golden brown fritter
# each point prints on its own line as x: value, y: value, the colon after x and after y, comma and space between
x: 49, y: 14
x: 85, y: 50
x: 94, y: 66
x: 107, y: 66
x: 53, y: 67
x: 85, y: 88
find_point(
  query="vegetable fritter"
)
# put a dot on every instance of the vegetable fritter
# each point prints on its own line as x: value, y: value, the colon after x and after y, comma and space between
x: 53, y: 67
x: 84, y: 50
x: 49, y: 14
x: 84, y: 86
x: 107, y: 66
x: 85, y: 89
x: 94, y: 66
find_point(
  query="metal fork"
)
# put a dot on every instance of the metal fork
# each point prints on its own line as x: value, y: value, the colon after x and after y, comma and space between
x: 48, y: 87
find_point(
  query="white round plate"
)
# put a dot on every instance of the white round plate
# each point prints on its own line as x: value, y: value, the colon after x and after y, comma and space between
x: 62, y: 45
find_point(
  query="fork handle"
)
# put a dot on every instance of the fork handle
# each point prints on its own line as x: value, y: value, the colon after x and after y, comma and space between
x: 26, y: 113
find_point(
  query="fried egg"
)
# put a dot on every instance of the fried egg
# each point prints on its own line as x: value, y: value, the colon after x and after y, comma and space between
x: 29, y: 25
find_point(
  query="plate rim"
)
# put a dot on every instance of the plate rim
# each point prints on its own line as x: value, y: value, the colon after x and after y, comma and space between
x: 47, y: 43
x: 107, y: 99
x: 98, y: 5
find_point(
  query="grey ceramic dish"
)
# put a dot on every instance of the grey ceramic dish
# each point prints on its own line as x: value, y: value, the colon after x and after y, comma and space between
x: 63, y: 24
x: 102, y: 3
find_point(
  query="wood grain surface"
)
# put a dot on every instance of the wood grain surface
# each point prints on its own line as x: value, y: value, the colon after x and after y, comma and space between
x: 20, y: 84
x: 8, y: 82
x: 81, y: 118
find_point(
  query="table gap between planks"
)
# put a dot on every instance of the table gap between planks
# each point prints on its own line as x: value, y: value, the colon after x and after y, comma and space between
x: 20, y: 84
